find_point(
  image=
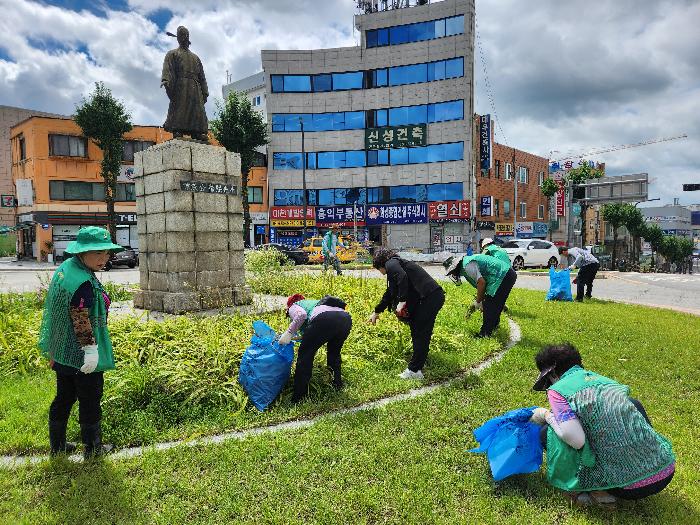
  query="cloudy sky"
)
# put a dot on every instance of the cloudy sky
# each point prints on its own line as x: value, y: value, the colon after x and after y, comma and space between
x: 564, y: 76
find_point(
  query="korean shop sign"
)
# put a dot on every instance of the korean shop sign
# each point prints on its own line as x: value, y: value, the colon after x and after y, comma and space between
x: 396, y: 136
x: 340, y: 215
x: 504, y: 228
x: 291, y: 216
x: 449, y: 211
x: 397, y: 214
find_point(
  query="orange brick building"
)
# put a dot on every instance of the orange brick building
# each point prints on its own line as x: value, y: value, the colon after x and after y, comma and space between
x: 56, y: 173
x: 497, y: 209
x: 258, y: 200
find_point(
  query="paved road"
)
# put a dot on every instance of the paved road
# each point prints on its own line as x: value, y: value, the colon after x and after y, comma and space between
x: 679, y: 292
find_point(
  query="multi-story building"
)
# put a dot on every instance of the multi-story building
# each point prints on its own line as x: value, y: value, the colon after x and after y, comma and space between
x: 56, y: 173
x: 509, y: 195
x: 673, y: 219
x: 10, y: 116
x: 378, y: 134
x: 254, y: 87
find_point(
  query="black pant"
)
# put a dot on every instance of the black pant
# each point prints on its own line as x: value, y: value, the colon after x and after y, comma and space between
x: 86, y: 389
x: 585, y: 278
x: 493, y: 306
x: 329, y: 327
x: 422, y: 322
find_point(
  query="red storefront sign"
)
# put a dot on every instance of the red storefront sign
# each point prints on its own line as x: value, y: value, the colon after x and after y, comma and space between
x: 451, y: 211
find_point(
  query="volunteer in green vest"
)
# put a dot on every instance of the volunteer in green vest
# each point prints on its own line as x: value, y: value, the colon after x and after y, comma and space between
x: 493, y: 280
x: 488, y: 247
x: 320, y: 322
x: 75, y: 339
x: 329, y: 248
x: 600, y: 442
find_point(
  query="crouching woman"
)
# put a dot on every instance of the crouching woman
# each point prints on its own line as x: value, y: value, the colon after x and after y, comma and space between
x: 600, y: 442
x: 75, y: 339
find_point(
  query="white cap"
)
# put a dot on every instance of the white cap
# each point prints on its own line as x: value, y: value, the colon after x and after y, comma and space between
x: 486, y: 241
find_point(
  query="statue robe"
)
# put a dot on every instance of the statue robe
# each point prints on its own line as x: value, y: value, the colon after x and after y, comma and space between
x: 183, y: 76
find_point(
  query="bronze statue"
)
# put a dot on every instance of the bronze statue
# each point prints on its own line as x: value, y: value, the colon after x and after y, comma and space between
x: 186, y: 86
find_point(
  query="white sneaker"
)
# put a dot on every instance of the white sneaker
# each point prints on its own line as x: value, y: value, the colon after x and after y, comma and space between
x: 410, y: 374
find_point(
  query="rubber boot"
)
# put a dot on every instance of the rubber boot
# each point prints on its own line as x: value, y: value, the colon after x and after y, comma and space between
x: 92, y: 440
x: 57, y: 438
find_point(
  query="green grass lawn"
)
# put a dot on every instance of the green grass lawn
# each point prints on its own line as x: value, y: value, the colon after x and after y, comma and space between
x: 405, y: 463
x: 178, y: 379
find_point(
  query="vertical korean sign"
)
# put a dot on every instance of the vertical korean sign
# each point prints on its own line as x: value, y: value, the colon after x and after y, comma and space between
x: 485, y: 142
x: 485, y: 205
x: 555, y: 169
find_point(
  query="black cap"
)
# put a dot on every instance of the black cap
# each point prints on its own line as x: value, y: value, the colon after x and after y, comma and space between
x: 542, y: 382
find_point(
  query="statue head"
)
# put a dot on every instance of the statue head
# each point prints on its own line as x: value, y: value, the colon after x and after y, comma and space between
x: 183, y: 36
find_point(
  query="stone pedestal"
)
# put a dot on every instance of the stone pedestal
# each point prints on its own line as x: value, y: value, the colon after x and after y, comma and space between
x: 190, y: 242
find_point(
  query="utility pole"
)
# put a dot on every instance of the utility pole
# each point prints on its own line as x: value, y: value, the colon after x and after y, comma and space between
x: 303, y: 180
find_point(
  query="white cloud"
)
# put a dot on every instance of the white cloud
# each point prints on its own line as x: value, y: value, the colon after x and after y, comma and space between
x: 566, y: 75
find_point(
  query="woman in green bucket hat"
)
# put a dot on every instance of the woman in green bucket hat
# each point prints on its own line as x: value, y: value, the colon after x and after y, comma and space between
x: 75, y: 339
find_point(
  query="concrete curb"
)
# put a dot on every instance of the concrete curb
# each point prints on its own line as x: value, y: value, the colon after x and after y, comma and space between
x: 13, y: 462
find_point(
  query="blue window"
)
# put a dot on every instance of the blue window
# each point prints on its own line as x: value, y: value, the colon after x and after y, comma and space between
x: 418, y: 155
x: 378, y: 157
x: 454, y: 25
x: 297, y: 83
x: 277, y: 83
x: 345, y: 81
x: 444, y: 111
x: 381, y: 118
x: 398, y: 35
x: 414, y: 193
x: 355, y: 195
x: 311, y: 197
x: 454, y: 68
x: 311, y: 161
x: 326, y: 198
x: 355, y: 159
x: 451, y: 191
x: 293, y: 123
x: 327, y: 160
x: 408, y: 115
x: 325, y: 121
x: 323, y: 83
x: 453, y: 151
x: 355, y: 120
x: 278, y: 123
x: 288, y: 198
x: 413, y: 74
x: 286, y: 161
x: 416, y: 32
x: 436, y: 71
x: 371, y: 38
x: 377, y: 195
x: 379, y: 77
x: 399, y: 156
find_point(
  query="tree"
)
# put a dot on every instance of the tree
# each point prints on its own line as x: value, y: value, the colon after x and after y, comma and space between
x: 241, y: 129
x: 635, y: 224
x: 104, y: 120
x: 614, y: 214
x: 549, y: 190
x: 578, y: 176
x: 654, y: 236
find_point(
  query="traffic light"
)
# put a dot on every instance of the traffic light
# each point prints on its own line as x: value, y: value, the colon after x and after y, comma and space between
x: 691, y: 187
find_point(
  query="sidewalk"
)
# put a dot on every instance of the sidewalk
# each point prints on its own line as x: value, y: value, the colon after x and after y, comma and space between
x: 11, y: 264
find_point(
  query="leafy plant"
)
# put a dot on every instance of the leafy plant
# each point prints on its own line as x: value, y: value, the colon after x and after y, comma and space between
x: 104, y: 120
x: 241, y: 129
x: 654, y: 236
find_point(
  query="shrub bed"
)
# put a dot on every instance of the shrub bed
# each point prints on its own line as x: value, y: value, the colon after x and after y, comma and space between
x: 179, y: 377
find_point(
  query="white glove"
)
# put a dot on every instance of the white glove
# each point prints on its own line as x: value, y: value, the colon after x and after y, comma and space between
x: 400, y: 306
x: 478, y: 305
x: 571, y: 267
x: 285, y: 338
x: 373, y: 318
x: 539, y: 416
x: 91, y: 358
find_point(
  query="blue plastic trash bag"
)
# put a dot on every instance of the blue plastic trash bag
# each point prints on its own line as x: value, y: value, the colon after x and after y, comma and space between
x: 559, y: 285
x: 265, y: 366
x: 511, y: 443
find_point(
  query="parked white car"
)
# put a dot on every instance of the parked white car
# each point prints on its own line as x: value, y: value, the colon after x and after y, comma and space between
x: 531, y: 252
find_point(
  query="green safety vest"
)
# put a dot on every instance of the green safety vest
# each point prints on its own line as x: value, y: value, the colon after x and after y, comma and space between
x: 492, y: 270
x: 621, y: 448
x: 57, y: 339
x: 497, y: 252
x: 308, y: 305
